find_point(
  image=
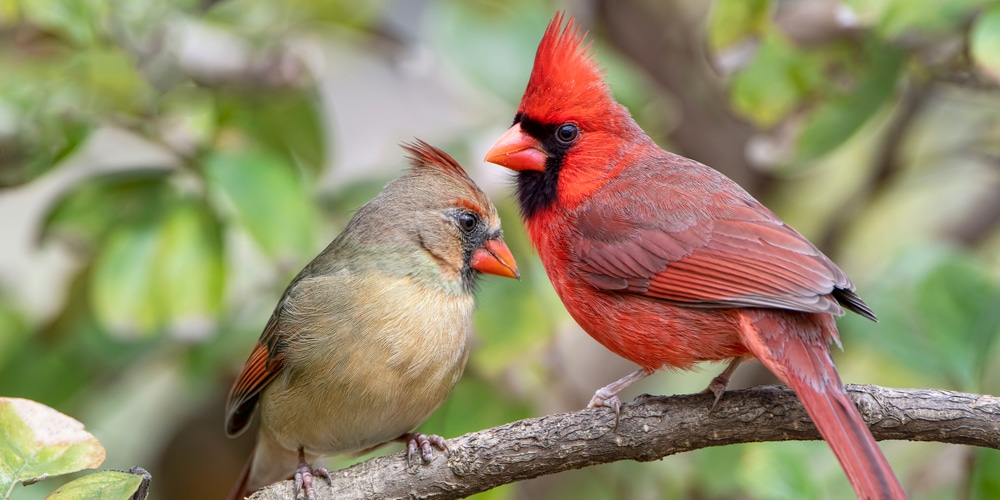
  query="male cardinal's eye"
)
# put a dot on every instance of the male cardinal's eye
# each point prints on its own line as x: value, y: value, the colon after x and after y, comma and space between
x: 467, y: 221
x: 567, y: 133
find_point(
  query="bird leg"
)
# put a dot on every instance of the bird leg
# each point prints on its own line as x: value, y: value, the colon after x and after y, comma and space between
x: 423, y: 442
x: 304, y: 477
x: 718, y: 384
x: 607, y: 395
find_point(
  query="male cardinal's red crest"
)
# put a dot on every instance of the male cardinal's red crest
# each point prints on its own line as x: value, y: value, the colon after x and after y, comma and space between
x: 667, y: 262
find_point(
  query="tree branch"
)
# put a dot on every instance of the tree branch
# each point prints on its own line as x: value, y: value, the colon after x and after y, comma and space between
x: 651, y: 428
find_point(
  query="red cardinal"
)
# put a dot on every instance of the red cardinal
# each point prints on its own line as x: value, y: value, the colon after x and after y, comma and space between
x: 667, y: 262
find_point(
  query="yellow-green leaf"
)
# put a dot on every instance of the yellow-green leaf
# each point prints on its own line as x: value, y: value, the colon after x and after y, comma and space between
x: 842, y: 114
x: 36, y: 440
x: 106, y: 485
x: 122, y: 283
x: 189, y: 271
x: 269, y: 198
x: 731, y: 21
x: 768, y: 88
x: 984, y: 43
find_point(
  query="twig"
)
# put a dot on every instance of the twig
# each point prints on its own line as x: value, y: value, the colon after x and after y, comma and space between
x: 652, y: 428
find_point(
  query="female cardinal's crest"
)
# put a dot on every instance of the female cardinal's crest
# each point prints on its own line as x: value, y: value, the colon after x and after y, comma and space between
x: 565, y: 76
x: 425, y: 158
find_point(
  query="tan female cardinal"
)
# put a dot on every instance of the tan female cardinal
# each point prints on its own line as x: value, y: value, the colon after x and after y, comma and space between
x: 372, y: 335
x: 667, y: 262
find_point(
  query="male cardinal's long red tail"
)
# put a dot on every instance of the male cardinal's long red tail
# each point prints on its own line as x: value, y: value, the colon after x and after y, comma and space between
x: 795, y: 347
x: 667, y: 262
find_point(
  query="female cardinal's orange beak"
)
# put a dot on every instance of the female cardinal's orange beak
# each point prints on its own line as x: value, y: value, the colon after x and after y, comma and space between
x: 517, y: 150
x: 495, y: 258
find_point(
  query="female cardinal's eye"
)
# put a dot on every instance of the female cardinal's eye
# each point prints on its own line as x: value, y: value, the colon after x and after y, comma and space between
x: 567, y: 132
x: 467, y: 221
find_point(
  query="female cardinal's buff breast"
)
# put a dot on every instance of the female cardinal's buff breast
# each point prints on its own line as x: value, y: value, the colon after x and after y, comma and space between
x: 667, y: 262
x: 372, y: 335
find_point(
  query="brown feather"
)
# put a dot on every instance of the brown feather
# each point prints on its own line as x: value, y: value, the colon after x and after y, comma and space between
x: 372, y: 335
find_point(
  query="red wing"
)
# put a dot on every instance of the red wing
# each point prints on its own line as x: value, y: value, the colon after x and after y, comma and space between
x: 741, y: 255
x: 258, y: 371
x: 265, y: 363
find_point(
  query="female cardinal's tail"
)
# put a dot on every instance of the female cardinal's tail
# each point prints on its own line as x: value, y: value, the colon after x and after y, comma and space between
x: 239, y: 489
x: 795, y: 347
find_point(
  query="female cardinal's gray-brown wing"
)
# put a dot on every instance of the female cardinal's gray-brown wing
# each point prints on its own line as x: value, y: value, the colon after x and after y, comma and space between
x: 726, y: 250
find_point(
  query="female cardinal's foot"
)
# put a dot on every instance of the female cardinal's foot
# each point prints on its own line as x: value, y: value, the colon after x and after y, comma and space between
x: 423, y: 442
x: 304, y: 477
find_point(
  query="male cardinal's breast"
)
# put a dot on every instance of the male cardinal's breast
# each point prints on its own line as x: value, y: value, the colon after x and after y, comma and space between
x: 650, y: 332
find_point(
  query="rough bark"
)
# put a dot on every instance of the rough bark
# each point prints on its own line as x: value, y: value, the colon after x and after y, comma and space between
x: 652, y: 427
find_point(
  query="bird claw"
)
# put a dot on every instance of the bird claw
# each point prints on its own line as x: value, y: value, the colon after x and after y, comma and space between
x: 607, y: 399
x: 423, y: 442
x: 717, y: 387
x: 718, y: 384
x: 304, y: 475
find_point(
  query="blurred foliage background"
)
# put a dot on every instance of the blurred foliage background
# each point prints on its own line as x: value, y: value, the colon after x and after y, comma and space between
x: 167, y: 167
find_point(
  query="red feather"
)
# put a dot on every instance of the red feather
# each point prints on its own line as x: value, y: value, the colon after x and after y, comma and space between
x: 667, y: 262
x: 258, y: 371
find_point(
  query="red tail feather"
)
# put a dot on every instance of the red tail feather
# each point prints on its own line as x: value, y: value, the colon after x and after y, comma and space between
x: 795, y: 347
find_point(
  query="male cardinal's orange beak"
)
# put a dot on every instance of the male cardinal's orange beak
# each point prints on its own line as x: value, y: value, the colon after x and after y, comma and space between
x: 517, y: 150
x: 495, y: 258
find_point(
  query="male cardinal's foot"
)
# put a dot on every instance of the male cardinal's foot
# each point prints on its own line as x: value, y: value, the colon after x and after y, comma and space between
x: 423, y: 442
x: 304, y: 477
x: 607, y: 399
x: 606, y: 396
x: 718, y: 384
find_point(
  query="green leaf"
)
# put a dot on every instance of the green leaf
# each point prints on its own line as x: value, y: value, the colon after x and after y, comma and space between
x: 39, y: 146
x: 937, y: 311
x: 106, y: 485
x: 958, y: 310
x: 14, y: 328
x: 165, y: 270
x: 121, y: 288
x: 110, y: 81
x: 732, y: 21
x: 287, y: 123
x: 85, y: 213
x: 924, y: 18
x: 841, y: 115
x: 190, y: 271
x: 984, y: 43
x: 36, y: 440
x: 986, y: 475
x: 770, y: 87
x: 269, y: 199
x: 79, y: 21
x: 191, y: 114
